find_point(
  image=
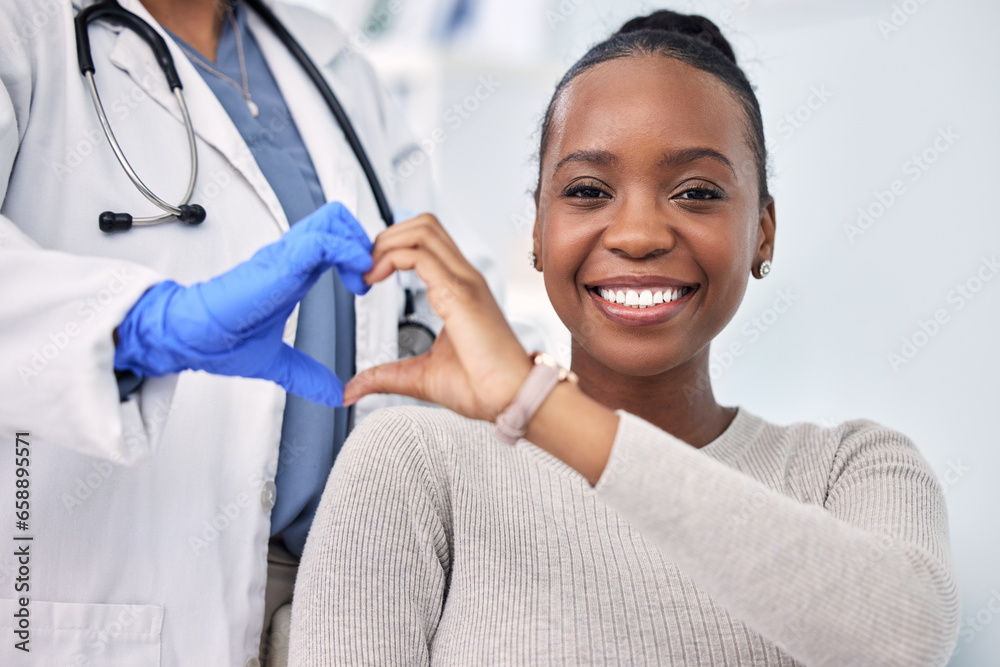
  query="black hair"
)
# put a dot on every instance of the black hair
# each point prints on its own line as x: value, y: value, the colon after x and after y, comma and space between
x: 691, y: 39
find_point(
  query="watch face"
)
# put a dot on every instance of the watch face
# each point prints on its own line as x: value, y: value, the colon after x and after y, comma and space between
x: 414, y: 339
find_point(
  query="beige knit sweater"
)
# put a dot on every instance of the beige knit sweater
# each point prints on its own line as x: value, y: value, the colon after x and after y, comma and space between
x: 772, y: 545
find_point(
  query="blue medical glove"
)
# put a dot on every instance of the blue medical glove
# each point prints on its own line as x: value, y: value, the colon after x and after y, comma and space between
x: 233, y: 323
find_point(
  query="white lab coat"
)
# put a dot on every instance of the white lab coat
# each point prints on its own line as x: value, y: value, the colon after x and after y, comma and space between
x: 150, y: 518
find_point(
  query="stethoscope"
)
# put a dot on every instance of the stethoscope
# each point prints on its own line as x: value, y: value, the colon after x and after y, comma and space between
x: 414, y: 337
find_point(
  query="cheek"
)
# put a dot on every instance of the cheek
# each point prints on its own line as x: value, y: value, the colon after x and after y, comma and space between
x: 725, y: 255
x: 725, y: 245
x: 565, y: 247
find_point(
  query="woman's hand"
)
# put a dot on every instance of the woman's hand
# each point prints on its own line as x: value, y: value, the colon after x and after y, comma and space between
x: 476, y: 365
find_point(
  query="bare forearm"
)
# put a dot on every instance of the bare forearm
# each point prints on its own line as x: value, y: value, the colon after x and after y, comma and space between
x: 575, y: 429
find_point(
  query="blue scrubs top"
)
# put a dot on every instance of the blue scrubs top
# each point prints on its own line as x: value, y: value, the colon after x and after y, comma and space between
x: 311, y: 434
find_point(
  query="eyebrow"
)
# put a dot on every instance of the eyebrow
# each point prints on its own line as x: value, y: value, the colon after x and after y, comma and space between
x: 601, y: 158
x: 688, y: 155
x: 671, y: 159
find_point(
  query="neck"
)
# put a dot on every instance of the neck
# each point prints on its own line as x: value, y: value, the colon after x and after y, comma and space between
x: 197, y: 22
x: 679, y: 401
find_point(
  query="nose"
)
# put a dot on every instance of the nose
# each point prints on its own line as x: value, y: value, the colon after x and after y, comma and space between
x: 639, y: 231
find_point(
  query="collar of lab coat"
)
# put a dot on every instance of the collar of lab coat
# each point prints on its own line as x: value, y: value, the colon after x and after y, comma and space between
x: 210, y: 120
x: 336, y: 166
x: 321, y: 43
x: 323, y: 46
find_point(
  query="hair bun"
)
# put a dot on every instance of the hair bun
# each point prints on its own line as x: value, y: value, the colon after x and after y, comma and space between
x: 695, y: 26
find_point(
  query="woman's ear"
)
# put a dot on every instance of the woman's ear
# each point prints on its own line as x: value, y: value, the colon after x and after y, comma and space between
x: 536, y: 237
x: 765, y: 237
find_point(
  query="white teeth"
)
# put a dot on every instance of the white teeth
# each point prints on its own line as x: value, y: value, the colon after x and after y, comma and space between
x: 641, y: 299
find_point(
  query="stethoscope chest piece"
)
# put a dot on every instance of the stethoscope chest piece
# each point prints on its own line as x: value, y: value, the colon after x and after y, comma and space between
x: 414, y: 338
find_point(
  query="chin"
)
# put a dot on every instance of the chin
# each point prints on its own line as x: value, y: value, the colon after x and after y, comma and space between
x: 639, y: 361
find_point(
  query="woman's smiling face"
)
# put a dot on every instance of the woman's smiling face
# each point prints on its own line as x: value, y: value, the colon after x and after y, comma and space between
x: 648, y: 193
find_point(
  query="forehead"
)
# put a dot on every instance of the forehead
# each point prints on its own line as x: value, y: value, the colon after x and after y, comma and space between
x: 647, y: 100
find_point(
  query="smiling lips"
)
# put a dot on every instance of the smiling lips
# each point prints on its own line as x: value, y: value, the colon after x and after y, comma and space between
x: 643, y: 304
x: 643, y: 298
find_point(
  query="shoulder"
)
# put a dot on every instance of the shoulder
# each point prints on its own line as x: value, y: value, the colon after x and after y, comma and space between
x: 416, y: 450
x: 868, y: 451
x: 853, y: 450
x: 421, y: 421
x: 434, y: 435
x: 39, y: 22
x: 839, y: 441
x: 852, y: 440
x: 37, y: 13
x: 309, y: 25
x: 35, y: 27
x: 810, y: 461
x: 338, y: 54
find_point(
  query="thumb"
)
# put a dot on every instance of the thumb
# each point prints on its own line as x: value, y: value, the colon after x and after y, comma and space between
x: 303, y: 376
x: 404, y: 377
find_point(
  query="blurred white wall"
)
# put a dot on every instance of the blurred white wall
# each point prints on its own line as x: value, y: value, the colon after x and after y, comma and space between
x: 853, y: 94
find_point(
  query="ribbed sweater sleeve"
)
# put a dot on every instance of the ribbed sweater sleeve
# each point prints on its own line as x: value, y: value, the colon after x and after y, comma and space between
x: 374, y: 572
x: 777, y: 545
x: 864, y: 579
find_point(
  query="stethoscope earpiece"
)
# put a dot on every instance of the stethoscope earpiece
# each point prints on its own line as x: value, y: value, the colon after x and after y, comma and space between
x: 110, y: 10
x: 192, y: 214
x: 114, y: 222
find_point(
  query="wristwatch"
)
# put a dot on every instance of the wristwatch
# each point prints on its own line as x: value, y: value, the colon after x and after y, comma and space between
x: 512, y: 423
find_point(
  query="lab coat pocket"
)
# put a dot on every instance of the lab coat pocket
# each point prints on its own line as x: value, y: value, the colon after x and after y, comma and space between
x: 64, y: 633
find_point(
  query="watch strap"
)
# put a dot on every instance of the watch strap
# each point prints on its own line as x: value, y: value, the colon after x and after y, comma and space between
x: 512, y: 423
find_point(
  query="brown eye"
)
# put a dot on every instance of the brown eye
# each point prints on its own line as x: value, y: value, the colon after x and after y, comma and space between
x: 587, y: 189
x: 585, y: 192
x: 701, y: 194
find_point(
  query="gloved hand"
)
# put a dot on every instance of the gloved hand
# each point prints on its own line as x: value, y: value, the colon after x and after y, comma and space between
x: 233, y: 323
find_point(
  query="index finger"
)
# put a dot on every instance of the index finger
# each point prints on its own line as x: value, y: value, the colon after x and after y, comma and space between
x: 409, y: 232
